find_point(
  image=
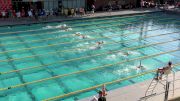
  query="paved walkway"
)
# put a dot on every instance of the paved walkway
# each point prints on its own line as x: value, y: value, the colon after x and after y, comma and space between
x: 136, y: 91
x: 16, y: 21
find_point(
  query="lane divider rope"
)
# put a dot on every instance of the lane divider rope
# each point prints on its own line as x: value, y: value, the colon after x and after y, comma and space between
x: 81, y: 48
x: 130, y: 48
x: 100, y: 85
x: 82, y: 71
x: 45, y: 46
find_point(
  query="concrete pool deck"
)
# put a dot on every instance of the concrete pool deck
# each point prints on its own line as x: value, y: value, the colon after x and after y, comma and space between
x: 16, y: 21
x: 136, y: 91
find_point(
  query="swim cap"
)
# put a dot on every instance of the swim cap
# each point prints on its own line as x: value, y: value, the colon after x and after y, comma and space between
x: 64, y: 25
x: 169, y: 63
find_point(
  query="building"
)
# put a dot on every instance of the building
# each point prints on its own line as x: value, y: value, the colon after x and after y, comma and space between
x: 67, y: 4
x: 27, y: 4
x: 48, y: 4
x: 74, y: 3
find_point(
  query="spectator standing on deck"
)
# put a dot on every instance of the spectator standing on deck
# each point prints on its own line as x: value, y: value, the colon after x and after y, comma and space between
x: 35, y: 13
x: 30, y: 14
x: 93, y: 9
x: 101, y: 97
x: 3, y: 14
x: 23, y: 12
x: 14, y: 13
x: 142, y: 3
x: 18, y: 14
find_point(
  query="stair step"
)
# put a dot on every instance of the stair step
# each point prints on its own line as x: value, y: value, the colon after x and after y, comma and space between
x: 153, y: 83
x: 151, y: 88
x: 147, y: 96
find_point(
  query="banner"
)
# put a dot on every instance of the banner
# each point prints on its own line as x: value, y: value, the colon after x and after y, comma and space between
x: 5, y: 5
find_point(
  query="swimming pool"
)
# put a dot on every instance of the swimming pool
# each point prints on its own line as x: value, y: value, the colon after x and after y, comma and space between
x: 42, y: 61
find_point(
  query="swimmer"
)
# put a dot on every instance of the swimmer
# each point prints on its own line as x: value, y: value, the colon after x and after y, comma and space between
x: 100, y: 43
x: 59, y: 26
x: 126, y: 53
x: 80, y: 35
x: 97, y: 46
x: 64, y: 26
x: 83, y: 37
x: 48, y: 27
x: 68, y: 29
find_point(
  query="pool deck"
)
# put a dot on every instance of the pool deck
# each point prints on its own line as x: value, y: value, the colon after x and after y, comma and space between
x: 136, y: 91
x: 16, y: 21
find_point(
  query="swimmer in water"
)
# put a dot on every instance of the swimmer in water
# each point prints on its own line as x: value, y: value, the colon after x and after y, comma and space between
x: 80, y: 35
x: 68, y: 29
x: 99, y: 43
x: 126, y: 53
x: 64, y: 26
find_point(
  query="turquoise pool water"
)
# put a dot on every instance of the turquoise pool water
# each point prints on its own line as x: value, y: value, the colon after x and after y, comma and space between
x: 34, y: 57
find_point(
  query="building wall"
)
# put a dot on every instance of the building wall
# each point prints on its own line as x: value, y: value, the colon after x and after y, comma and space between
x: 99, y: 4
x: 74, y: 3
x: 50, y: 4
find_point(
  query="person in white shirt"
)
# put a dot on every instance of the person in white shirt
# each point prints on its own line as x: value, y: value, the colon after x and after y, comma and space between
x: 18, y: 14
x: 3, y: 14
x: 30, y: 13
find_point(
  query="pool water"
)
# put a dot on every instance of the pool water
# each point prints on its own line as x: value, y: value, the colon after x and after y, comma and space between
x: 33, y: 57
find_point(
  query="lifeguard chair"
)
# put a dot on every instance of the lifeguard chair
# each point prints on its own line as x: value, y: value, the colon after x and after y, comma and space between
x: 164, y: 81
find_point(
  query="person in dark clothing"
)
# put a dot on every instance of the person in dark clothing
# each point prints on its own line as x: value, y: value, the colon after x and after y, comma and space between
x: 101, y: 97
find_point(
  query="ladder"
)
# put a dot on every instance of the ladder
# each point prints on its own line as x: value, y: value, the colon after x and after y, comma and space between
x: 151, y: 87
x: 150, y: 90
